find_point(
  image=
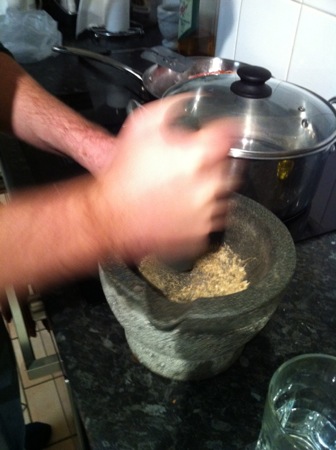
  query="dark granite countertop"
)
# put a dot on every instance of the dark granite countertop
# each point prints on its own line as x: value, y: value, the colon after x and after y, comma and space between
x: 121, y: 403
x: 125, y: 406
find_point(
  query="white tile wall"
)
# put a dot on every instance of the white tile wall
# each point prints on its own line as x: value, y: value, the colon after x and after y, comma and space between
x: 313, y: 62
x: 228, y: 22
x: 260, y: 33
x: 294, y: 39
x: 328, y: 6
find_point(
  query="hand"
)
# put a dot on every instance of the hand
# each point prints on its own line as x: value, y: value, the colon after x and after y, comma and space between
x: 169, y: 186
x: 163, y: 192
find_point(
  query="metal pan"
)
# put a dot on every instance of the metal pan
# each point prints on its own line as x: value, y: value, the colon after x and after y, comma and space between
x: 157, y: 79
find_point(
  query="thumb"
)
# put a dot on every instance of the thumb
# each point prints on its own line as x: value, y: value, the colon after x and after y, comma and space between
x: 218, y: 137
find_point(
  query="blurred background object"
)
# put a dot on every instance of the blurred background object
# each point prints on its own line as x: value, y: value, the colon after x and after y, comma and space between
x: 168, y: 19
x: 29, y: 34
x: 197, y: 30
x: 90, y: 13
x: 144, y: 11
x: 117, y: 16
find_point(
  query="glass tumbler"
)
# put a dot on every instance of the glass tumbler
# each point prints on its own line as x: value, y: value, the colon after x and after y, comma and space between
x: 300, y: 409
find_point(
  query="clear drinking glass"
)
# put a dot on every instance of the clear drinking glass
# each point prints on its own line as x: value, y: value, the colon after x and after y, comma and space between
x: 300, y: 409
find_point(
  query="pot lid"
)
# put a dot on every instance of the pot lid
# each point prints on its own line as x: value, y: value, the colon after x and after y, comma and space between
x: 277, y: 119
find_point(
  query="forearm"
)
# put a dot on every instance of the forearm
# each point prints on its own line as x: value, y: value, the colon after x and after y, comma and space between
x: 53, y: 234
x: 35, y: 116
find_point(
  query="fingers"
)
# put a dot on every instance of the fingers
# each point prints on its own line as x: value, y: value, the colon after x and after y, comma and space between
x: 159, y: 111
x: 181, y: 117
x: 173, y: 182
x: 172, y: 117
x: 218, y: 136
x: 210, y: 141
x: 220, y: 213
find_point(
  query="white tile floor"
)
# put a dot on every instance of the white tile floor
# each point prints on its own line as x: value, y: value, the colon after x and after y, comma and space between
x: 45, y: 399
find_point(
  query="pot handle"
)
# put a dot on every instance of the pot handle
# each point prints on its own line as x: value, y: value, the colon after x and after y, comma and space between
x: 132, y: 105
x: 97, y: 57
x: 332, y: 101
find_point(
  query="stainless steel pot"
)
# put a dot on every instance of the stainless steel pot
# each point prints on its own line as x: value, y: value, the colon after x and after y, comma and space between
x: 286, y: 134
x: 157, y: 79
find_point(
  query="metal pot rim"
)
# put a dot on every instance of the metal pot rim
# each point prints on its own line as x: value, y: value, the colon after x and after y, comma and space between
x: 239, y: 153
x: 290, y: 122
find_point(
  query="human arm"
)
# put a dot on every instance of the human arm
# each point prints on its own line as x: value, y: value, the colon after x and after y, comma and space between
x: 164, y: 193
x: 37, y: 117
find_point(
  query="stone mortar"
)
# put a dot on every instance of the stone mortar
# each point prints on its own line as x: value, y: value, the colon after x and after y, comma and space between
x: 201, y: 339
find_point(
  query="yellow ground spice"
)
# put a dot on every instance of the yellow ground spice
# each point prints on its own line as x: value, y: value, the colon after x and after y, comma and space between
x: 217, y: 273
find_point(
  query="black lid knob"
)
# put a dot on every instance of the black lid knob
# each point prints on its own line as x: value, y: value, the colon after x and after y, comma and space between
x: 252, y: 83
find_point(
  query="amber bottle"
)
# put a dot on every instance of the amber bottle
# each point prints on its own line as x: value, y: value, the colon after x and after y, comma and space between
x: 198, y: 20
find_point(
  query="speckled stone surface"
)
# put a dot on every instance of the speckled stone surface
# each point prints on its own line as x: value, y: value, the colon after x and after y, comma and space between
x: 197, y: 340
x: 125, y: 406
